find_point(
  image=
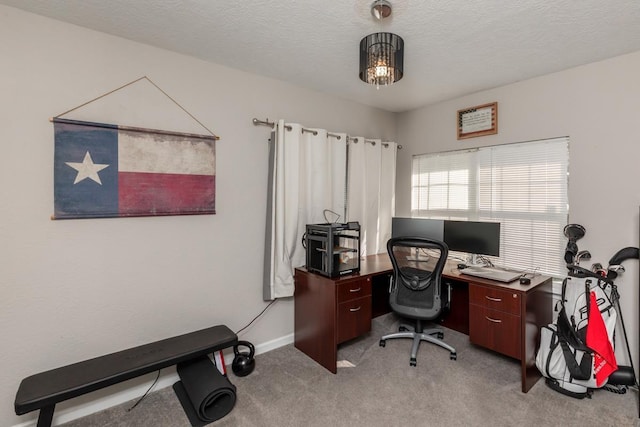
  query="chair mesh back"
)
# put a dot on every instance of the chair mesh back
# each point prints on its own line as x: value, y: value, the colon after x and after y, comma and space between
x: 417, y: 266
x: 418, y: 299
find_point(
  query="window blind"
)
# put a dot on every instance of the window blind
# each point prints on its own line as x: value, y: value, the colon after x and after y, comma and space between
x: 521, y: 185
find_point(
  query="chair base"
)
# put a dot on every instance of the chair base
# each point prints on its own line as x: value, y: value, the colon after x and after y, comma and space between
x: 417, y: 337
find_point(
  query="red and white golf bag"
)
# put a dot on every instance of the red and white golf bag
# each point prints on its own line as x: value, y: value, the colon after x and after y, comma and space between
x: 577, y: 352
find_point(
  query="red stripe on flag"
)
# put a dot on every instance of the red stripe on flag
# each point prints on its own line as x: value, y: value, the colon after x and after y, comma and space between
x: 165, y: 194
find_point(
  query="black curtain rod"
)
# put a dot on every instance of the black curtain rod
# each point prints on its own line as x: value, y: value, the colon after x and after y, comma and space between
x: 257, y: 122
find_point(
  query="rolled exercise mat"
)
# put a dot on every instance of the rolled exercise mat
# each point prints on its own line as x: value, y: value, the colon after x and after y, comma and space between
x: 205, y: 394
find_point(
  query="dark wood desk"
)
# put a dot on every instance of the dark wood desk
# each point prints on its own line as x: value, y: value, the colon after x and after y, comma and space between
x: 503, y: 317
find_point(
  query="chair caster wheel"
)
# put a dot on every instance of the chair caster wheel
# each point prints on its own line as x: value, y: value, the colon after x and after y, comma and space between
x: 383, y: 343
x: 453, y: 356
x: 440, y: 335
x: 412, y: 362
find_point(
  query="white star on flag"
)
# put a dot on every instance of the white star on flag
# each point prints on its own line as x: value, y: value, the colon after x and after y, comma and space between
x: 87, y: 169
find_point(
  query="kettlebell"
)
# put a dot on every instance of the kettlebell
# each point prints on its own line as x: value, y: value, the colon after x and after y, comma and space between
x: 243, y: 362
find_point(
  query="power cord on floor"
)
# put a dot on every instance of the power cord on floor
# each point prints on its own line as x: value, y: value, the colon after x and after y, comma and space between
x: 147, y: 392
x: 158, y: 376
x: 256, y: 318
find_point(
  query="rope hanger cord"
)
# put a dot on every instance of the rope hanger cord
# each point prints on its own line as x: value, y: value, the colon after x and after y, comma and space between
x: 129, y: 84
x: 257, y: 122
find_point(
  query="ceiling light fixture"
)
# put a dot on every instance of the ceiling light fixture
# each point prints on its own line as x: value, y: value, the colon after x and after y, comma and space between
x: 381, y: 54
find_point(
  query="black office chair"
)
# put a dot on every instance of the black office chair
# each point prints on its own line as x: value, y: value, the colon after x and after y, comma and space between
x: 416, y: 290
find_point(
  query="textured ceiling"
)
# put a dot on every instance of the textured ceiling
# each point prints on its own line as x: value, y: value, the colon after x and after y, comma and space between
x: 453, y: 47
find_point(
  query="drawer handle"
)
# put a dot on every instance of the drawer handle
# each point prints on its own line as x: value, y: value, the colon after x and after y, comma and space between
x: 355, y: 290
x: 493, y: 299
x: 355, y: 309
x: 493, y: 320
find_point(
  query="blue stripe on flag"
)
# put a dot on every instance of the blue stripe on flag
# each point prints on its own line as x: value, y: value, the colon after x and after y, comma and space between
x: 86, y: 197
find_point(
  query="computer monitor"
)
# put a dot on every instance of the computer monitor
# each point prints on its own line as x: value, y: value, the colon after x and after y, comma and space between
x: 473, y: 237
x: 417, y: 227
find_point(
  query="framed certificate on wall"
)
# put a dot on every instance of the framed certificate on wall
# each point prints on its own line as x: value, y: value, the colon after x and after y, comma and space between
x: 478, y: 121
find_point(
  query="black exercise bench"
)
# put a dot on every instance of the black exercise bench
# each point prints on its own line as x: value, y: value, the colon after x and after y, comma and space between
x: 44, y: 390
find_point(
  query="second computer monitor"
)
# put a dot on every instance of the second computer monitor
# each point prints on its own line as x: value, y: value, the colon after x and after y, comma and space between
x: 417, y: 227
x: 473, y: 237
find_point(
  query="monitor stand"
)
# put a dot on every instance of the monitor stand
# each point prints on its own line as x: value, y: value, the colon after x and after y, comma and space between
x: 418, y: 257
x: 474, y: 261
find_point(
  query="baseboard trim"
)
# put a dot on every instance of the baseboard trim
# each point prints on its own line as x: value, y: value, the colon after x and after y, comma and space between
x: 166, y: 379
x: 273, y: 344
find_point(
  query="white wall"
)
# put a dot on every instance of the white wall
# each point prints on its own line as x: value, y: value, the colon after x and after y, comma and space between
x: 597, y: 107
x: 75, y: 289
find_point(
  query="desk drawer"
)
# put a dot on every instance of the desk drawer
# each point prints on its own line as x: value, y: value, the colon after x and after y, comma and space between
x: 495, y: 330
x: 496, y: 299
x: 354, y: 318
x: 353, y: 289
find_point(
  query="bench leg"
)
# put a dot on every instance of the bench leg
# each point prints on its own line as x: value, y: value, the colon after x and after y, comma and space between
x: 46, y: 416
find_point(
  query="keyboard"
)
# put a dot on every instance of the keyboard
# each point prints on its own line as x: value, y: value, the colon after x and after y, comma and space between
x: 491, y: 274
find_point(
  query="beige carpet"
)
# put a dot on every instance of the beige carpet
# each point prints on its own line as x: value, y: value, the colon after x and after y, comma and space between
x: 481, y: 388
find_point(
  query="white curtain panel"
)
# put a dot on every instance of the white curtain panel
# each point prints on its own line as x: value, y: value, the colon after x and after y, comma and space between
x: 387, y: 207
x: 371, y: 191
x: 356, y: 178
x: 364, y: 161
x: 338, y: 176
x: 308, y: 179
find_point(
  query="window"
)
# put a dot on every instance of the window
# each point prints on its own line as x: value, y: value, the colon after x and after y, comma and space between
x: 521, y: 185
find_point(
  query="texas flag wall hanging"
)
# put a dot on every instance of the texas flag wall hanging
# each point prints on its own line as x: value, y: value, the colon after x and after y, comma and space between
x: 104, y: 170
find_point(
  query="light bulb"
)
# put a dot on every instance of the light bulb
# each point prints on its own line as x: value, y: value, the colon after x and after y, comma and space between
x: 382, y: 70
